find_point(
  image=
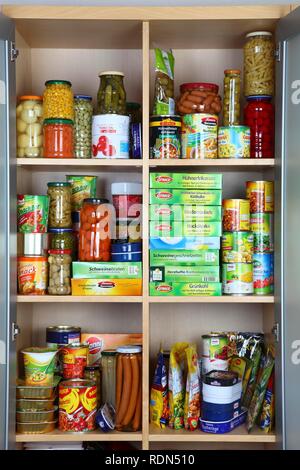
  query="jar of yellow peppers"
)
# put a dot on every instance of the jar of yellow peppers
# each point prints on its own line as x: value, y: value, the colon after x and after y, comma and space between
x: 58, y: 100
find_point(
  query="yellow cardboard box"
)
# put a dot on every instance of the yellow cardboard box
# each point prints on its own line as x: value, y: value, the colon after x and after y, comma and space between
x: 106, y: 286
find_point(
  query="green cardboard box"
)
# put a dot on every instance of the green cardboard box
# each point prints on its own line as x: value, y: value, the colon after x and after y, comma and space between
x: 206, y: 289
x: 184, y: 273
x: 186, y: 180
x: 185, y: 229
x: 184, y: 258
x: 204, y: 197
x: 111, y: 270
x: 165, y: 212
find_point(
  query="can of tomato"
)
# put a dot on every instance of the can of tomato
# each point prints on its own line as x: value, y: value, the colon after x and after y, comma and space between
x: 262, y: 227
x: 77, y: 405
x: 260, y: 195
x: 165, y: 139
x: 74, y: 360
x: 236, y: 215
x: 237, y: 278
x: 263, y: 273
x: 214, y: 352
x: 32, y: 213
x: 237, y: 247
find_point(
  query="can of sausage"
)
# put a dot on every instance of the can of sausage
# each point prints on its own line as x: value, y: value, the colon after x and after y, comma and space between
x: 262, y: 227
x: 236, y: 215
x: 260, y: 195
x: 165, y: 137
x: 110, y: 136
x: 214, y: 352
x: 234, y: 142
x: 237, y: 247
x: 237, y: 278
x: 199, y: 136
x: 77, y: 406
x: 74, y: 360
x: 263, y: 273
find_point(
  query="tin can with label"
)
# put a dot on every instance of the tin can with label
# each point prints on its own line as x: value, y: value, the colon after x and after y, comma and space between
x: 236, y: 215
x: 237, y: 278
x: 110, y: 136
x: 62, y: 334
x: 262, y: 227
x: 214, y: 352
x: 260, y: 195
x: 77, y: 405
x: 165, y: 137
x: 234, y: 142
x: 199, y: 136
x: 263, y: 273
x: 237, y: 247
x: 74, y: 360
x: 32, y: 275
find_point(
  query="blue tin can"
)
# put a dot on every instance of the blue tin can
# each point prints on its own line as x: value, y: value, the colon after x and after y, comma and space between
x: 219, y: 412
x: 263, y: 273
x: 105, y: 418
x: 58, y: 335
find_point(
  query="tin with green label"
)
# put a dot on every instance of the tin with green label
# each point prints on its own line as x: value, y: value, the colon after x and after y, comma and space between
x: 237, y: 278
x: 261, y: 224
x: 237, y: 247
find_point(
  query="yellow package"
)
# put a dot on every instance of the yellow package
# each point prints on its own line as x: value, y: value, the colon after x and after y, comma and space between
x: 106, y: 286
x: 192, y: 392
x: 176, y: 385
x: 159, y: 394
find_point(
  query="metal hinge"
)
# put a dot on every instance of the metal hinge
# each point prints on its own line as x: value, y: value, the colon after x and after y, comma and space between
x: 278, y: 52
x: 15, y: 330
x: 275, y: 331
x: 13, y: 52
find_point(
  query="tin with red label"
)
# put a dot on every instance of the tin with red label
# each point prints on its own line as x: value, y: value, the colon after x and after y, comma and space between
x: 74, y: 360
x: 165, y: 137
x: 77, y: 405
x: 236, y: 215
x: 260, y: 195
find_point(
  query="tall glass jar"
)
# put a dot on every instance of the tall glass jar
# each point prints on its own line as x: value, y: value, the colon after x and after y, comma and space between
x: 63, y: 239
x: 94, y: 232
x: 58, y: 138
x: 259, y: 116
x: 111, y: 94
x: 92, y: 373
x: 109, y: 367
x: 59, y: 272
x: 60, y: 205
x: 259, y: 64
x: 231, y: 100
x: 83, y: 109
x: 30, y: 126
x: 58, y: 100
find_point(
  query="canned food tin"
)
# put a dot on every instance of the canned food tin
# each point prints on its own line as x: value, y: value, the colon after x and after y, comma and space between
x: 33, y: 244
x: 32, y: 275
x: 262, y: 227
x: 110, y: 136
x: 32, y: 213
x: 77, y: 405
x: 74, y: 360
x: 165, y: 137
x: 199, y: 136
x: 260, y: 195
x: 236, y: 215
x: 234, y: 142
x: 237, y: 278
x: 214, y: 352
x: 59, y: 335
x: 263, y: 273
x: 237, y: 247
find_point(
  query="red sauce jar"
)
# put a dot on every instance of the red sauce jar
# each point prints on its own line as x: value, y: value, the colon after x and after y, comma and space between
x: 127, y: 199
x: 58, y: 138
x: 94, y: 232
x: 259, y: 116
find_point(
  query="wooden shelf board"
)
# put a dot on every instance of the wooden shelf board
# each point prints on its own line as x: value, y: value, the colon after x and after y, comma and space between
x: 58, y: 163
x: 230, y: 299
x: 218, y: 162
x: 78, y: 299
x: 58, y: 436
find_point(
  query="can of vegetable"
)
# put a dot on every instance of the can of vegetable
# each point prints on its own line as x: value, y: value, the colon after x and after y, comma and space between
x: 263, y: 273
x: 74, y: 360
x: 165, y: 137
x: 237, y: 247
x: 260, y: 195
x: 214, y: 352
x: 83, y: 187
x: 199, y: 136
x: 32, y: 275
x: 237, y: 278
x: 236, y: 215
x: 32, y: 213
x: 77, y: 405
x: 234, y: 142
x: 262, y: 227
x: 110, y: 136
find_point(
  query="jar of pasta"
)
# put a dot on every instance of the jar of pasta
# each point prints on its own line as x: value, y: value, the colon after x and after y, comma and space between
x: 29, y: 126
x: 231, y: 100
x: 59, y: 272
x: 259, y: 64
x: 111, y: 94
x: 259, y: 116
x: 60, y: 205
x: 58, y: 138
x: 83, y: 126
x: 94, y: 233
x: 58, y: 100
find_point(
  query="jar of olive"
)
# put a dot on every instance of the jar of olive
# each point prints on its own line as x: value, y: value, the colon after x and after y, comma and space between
x: 60, y: 205
x: 231, y: 100
x: 83, y: 113
x: 62, y: 239
x: 59, y: 272
x: 111, y: 94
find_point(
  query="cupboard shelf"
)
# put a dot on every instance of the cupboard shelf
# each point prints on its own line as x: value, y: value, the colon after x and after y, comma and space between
x: 244, y: 299
x: 52, y: 163
x: 78, y: 299
x: 218, y: 162
x: 58, y: 436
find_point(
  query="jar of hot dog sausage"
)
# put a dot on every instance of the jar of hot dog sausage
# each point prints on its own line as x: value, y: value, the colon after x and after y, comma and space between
x: 129, y: 388
x: 199, y: 98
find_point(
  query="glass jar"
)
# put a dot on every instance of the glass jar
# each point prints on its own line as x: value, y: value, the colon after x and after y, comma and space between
x: 259, y: 63
x: 59, y: 272
x: 62, y: 239
x: 111, y: 94
x: 259, y: 116
x: 231, y: 100
x: 129, y: 405
x: 199, y: 98
x: 58, y: 138
x: 58, y: 100
x: 92, y: 373
x: 94, y: 232
x: 30, y: 126
x: 109, y: 367
x: 83, y: 110
x: 60, y: 205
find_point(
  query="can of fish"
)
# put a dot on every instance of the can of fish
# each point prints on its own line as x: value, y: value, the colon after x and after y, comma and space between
x: 234, y: 142
x: 237, y: 278
x: 237, y: 247
x: 263, y: 273
x: 199, y: 136
x: 110, y: 136
x: 214, y: 352
x: 62, y: 334
x: 236, y: 215
x: 74, y: 360
x: 262, y: 227
x: 165, y: 137
x: 77, y: 405
x: 260, y: 195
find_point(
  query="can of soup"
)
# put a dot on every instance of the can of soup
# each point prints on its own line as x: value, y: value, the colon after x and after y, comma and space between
x: 77, y: 405
x: 237, y: 278
x: 32, y: 213
x: 165, y: 137
x: 263, y: 273
x: 236, y: 215
x: 214, y: 352
x: 262, y: 227
x: 74, y: 360
x: 260, y: 195
x: 199, y: 136
x: 110, y: 136
x: 234, y: 142
x: 237, y: 247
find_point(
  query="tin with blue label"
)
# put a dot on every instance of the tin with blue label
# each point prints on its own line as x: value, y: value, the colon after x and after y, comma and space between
x: 58, y: 335
x: 234, y: 142
x: 263, y: 273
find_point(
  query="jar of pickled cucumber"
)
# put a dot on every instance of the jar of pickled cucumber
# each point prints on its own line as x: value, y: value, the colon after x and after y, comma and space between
x: 231, y: 100
x: 60, y: 205
x: 30, y: 126
x: 62, y: 239
x: 58, y: 100
x: 59, y: 272
x: 83, y: 110
x: 259, y: 64
x: 111, y: 94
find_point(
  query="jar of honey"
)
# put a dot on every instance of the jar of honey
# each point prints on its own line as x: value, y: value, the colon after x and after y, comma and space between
x: 94, y: 233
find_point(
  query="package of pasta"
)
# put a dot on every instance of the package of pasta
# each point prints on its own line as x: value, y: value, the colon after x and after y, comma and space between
x: 266, y: 420
x: 159, y: 394
x: 192, y: 391
x: 177, y: 385
x: 164, y: 102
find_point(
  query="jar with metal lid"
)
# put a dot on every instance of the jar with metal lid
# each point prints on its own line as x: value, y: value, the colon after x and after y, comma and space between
x: 259, y: 64
x: 60, y: 205
x: 129, y: 388
x: 59, y: 272
x: 199, y: 98
x: 111, y: 94
x: 58, y: 100
x: 62, y: 239
x: 83, y: 110
x: 30, y: 126
x: 109, y: 367
x: 58, y: 138
x: 231, y: 99
x: 94, y: 232
x: 92, y: 373
x: 259, y: 116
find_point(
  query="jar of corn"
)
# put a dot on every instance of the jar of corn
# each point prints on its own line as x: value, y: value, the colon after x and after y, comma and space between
x: 58, y: 100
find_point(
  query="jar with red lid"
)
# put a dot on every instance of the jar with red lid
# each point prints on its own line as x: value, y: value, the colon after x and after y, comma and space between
x: 58, y: 138
x: 59, y: 272
x: 259, y: 116
x: 127, y: 199
x: 94, y: 233
x: 199, y: 98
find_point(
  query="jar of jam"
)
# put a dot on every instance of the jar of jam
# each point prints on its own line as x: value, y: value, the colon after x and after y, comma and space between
x: 231, y: 100
x: 94, y: 233
x: 259, y: 116
x: 58, y: 138
x: 199, y: 98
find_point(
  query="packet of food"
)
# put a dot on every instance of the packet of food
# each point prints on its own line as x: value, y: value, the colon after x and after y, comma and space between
x: 159, y: 394
x: 192, y: 392
x: 164, y: 102
x: 238, y: 365
x: 266, y: 420
x: 176, y: 385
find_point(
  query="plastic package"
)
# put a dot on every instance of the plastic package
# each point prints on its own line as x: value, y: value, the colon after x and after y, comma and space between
x: 164, y: 103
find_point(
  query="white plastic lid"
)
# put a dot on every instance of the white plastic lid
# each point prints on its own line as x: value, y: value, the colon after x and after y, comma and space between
x: 259, y: 33
x: 129, y: 349
x: 111, y: 72
x: 126, y: 188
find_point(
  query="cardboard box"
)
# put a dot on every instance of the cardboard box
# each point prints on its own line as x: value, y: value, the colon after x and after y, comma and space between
x: 184, y: 243
x: 185, y: 229
x: 98, y: 342
x: 204, y: 197
x: 169, y: 213
x: 184, y: 274
x: 111, y: 270
x: 206, y: 289
x: 106, y: 287
x: 184, y: 257
x: 186, y: 180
